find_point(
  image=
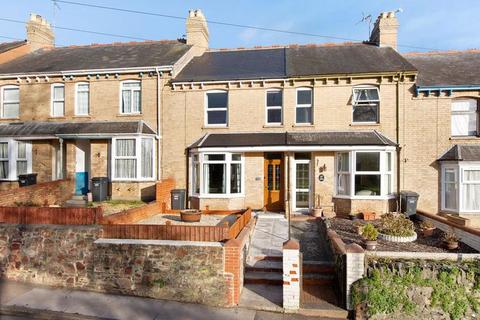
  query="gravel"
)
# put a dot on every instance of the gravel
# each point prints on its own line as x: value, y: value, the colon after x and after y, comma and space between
x: 346, y: 230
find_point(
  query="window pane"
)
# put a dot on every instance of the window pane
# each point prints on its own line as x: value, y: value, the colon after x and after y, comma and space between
x: 464, y: 124
x: 196, y: 176
x: 58, y: 108
x: 236, y: 178
x: 302, y: 176
x: 389, y: 161
x: 274, y: 98
x: 236, y: 157
x: 450, y: 175
x: 368, y: 161
x: 388, y: 182
x: 82, y: 102
x: 471, y: 197
x: 217, y: 99
x: 215, y: 178
x: 11, y: 95
x: 3, y: 169
x: 304, y: 115
x: 215, y: 157
x: 125, y: 148
x: 3, y: 150
x: 22, y: 167
x: 363, y: 113
x: 131, y: 85
x: 343, y: 184
x: 367, y: 185
x: 10, y: 110
x: 450, y: 195
x: 21, y: 150
x: 217, y: 117
x: 137, y: 102
x: 304, y: 96
x: 366, y: 94
x: 274, y: 115
x: 464, y: 105
x: 277, y: 177
x: 58, y: 92
x: 126, y: 168
x: 471, y: 175
x: 301, y: 199
x: 343, y: 162
x: 126, y: 101
x: 270, y: 177
x: 147, y: 158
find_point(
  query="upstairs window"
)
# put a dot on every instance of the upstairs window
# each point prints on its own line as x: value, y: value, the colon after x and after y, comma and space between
x: 366, y: 102
x: 216, y: 108
x: 303, y: 112
x: 464, y: 117
x: 131, y: 97
x: 82, y: 99
x: 58, y: 100
x: 274, y: 106
x: 10, y: 98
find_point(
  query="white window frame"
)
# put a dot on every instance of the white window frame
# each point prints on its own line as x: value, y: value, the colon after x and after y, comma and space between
x: 370, y: 103
x: 475, y: 113
x: 294, y: 183
x: 3, y: 102
x: 77, y: 90
x: 383, y: 171
x: 137, y: 157
x: 203, y: 181
x: 53, y: 100
x: 459, y: 169
x: 120, y: 109
x: 267, y: 108
x: 339, y: 172
x: 305, y: 106
x: 206, y: 110
x: 12, y: 158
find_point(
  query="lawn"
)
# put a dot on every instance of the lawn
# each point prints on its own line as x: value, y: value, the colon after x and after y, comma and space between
x: 113, y: 206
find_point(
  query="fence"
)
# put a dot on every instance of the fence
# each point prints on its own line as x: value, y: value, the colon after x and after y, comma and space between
x: 240, y: 224
x: 50, y: 215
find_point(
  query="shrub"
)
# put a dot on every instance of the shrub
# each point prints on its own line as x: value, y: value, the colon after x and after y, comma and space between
x: 427, y: 225
x: 369, y: 232
x: 396, y: 225
x: 450, y: 237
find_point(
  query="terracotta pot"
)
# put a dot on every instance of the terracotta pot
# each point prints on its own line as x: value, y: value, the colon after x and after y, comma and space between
x: 427, y: 232
x: 316, y: 212
x: 371, y: 245
x: 452, y: 245
x: 190, y: 215
x: 368, y: 215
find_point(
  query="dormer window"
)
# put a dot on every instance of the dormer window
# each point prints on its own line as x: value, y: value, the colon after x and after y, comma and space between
x: 366, y: 102
x: 10, y: 98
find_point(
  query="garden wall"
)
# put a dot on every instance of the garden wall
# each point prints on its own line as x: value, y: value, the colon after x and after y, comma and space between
x: 42, y: 194
x: 75, y: 257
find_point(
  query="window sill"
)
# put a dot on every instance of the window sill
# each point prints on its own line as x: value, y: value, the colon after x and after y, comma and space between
x: 218, y: 196
x: 215, y: 127
x: 9, y: 119
x: 303, y: 125
x: 132, y: 180
x: 57, y: 118
x: 365, y: 197
x: 460, y: 138
x: 365, y: 124
x: 273, y: 125
x: 129, y: 114
x: 82, y: 116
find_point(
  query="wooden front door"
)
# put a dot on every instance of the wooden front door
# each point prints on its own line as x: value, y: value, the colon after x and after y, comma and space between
x: 274, y: 184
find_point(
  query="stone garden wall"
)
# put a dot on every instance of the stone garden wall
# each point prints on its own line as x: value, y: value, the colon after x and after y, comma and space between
x: 75, y: 257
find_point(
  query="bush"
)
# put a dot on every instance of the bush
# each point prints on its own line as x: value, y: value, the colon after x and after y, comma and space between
x: 369, y: 232
x: 396, y: 225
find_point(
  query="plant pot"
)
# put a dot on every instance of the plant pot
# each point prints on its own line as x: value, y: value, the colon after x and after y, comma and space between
x: 451, y: 245
x: 192, y: 215
x: 371, y: 244
x: 428, y: 232
x: 369, y: 215
x: 316, y: 212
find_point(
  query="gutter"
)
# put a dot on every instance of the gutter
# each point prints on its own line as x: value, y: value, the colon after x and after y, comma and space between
x: 447, y: 89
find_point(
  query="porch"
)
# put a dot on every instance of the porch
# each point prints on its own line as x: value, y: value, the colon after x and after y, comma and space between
x: 348, y: 172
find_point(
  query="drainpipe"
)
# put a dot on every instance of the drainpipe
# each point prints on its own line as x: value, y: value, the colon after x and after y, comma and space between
x: 399, y: 202
x: 60, y: 173
x: 159, y: 128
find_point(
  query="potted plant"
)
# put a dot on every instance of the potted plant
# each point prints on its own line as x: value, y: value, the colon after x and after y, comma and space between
x: 427, y: 228
x: 451, y: 240
x: 370, y: 234
x: 368, y: 215
x: 358, y: 227
x: 190, y: 215
x: 317, y: 210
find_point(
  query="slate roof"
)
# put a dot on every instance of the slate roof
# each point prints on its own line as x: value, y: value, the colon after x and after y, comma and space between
x: 4, y: 47
x: 462, y: 153
x: 321, y: 138
x: 447, y: 68
x: 111, y: 56
x: 292, y: 61
x: 105, y: 128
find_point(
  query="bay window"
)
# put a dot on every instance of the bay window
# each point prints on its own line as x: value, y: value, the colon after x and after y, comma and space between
x: 133, y: 158
x: 461, y: 187
x: 464, y: 117
x: 216, y: 108
x: 82, y: 99
x: 364, y: 173
x: 274, y: 106
x: 131, y: 97
x: 10, y: 102
x: 15, y: 159
x: 217, y: 174
x: 365, y: 101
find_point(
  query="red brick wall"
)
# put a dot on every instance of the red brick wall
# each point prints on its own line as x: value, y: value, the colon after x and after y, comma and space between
x: 163, y: 190
x: 42, y: 194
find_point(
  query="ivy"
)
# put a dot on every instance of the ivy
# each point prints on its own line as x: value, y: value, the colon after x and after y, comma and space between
x: 385, y: 290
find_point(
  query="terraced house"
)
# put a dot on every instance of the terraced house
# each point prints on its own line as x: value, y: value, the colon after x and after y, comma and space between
x: 342, y: 127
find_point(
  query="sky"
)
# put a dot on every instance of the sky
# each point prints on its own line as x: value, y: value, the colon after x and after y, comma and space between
x: 426, y: 24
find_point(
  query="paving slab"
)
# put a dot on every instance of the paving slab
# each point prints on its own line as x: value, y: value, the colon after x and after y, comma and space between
x: 271, y: 231
x: 262, y: 297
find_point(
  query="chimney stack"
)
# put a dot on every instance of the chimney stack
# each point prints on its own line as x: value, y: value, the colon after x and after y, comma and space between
x: 197, y: 31
x: 385, y: 30
x: 39, y: 33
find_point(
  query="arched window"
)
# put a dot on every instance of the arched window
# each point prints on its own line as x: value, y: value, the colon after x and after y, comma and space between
x: 366, y: 102
x: 10, y: 97
x: 464, y: 117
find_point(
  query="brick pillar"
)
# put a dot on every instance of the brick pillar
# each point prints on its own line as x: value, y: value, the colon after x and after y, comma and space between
x: 232, y: 270
x: 355, y: 267
x: 291, y: 276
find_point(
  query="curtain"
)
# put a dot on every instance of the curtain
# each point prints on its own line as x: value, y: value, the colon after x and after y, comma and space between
x: 136, y: 101
x: 126, y: 101
x: 471, y: 190
x: 125, y: 168
x: 82, y: 99
x: 4, y: 161
x: 236, y: 178
x: 147, y: 158
x: 125, y: 148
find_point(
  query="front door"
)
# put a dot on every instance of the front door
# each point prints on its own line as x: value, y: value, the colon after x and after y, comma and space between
x: 82, y: 166
x: 273, y: 183
x: 301, y: 179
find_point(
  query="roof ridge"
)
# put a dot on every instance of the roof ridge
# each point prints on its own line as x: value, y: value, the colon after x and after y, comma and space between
x: 291, y: 45
x: 429, y: 53
x: 118, y: 43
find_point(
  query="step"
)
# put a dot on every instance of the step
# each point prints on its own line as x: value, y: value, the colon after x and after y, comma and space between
x: 265, y: 266
x: 76, y: 203
x: 78, y: 197
x: 318, y: 267
x: 323, y: 312
x: 318, y: 279
x: 268, y: 278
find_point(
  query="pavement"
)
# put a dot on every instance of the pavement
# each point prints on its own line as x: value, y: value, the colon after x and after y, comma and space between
x: 271, y: 231
x: 24, y: 301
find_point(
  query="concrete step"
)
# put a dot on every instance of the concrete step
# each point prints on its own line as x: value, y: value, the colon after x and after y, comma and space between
x: 78, y: 197
x: 318, y: 267
x: 265, y: 266
x: 75, y: 203
x: 267, y: 278
x: 320, y: 279
x: 334, y: 313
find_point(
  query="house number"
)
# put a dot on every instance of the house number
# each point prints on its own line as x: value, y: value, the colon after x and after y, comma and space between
x: 321, y: 177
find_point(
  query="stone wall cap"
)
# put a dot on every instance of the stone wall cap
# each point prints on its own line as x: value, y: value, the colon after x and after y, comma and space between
x: 354, y: 248
x: 291, y: 245
x: 159, y: 242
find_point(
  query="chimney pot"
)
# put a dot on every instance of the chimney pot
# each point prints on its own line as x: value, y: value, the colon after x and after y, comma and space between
x: 197, y: 31
x: 385, y: 30
x: 39, y: 33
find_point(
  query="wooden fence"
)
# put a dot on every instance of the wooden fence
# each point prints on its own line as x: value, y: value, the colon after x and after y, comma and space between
x: 178, y: 232
x: 50, y: 215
